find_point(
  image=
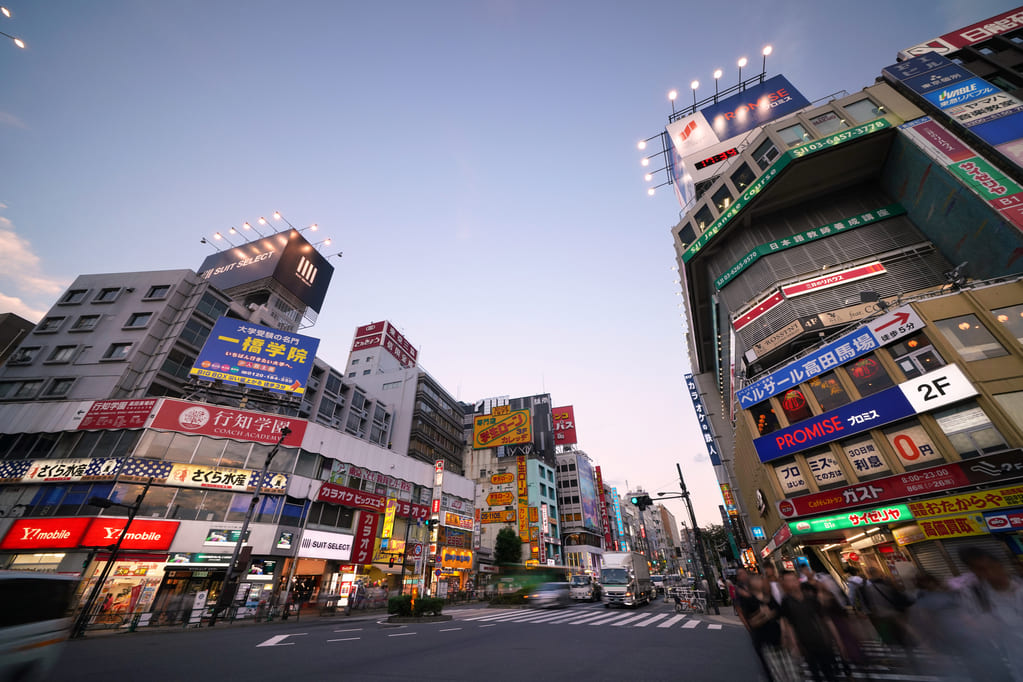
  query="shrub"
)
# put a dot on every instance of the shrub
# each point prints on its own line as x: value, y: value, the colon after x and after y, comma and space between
x: 400, y: 606
x: 502, y: 599
x: 427, y: 606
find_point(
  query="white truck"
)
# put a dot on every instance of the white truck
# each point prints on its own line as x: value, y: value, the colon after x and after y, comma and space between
x: 584, y: 587
x: 625, y: 579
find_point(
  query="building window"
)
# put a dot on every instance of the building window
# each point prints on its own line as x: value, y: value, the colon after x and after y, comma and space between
x: 24, y: 355
x: 764, y: 417
x: 117, y: 351
x: 107, y: 295
x: 195, y: 333
x: 722, y: 199
x: 704, y: 217
x: 85, y: 323
x: 828, y: 391
x: 970, y: 338
x: 765, y: 154
x: 971, y: 432
x: 351, y: 375
x: 210, y: 306
x: 391, y: 384
x: 74, y: 296
x: 794, y: 404
x: 60, y: 387
x: 915, y: 355
x: 794, y: 134
x: 20, y: 389
x: 686, y: 235
x: 366, y: 371
x: 868, y: 375
x: 355, y: 362
x: 1012, y: 319
x: 742, y: 177
x: 827, y: 123
x: 862, y: 110
x: 62, y: 354
x: 158, y: 291
x: 138, y: 320
x: 50, y: 324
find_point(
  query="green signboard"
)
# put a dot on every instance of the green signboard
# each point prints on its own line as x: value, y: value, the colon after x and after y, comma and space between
x: 985, y: 179
x: 854, y: 519
x: 772, y: 172
x: 821, y: 232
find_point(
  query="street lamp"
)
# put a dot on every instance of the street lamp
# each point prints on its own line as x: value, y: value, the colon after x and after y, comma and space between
x: 230, y: 575
x: 105, y: 503
x: 717, y: 75
x: 742, y: 62
x: 694, y: 85
x: 673, y: 95
x: 767, y: 50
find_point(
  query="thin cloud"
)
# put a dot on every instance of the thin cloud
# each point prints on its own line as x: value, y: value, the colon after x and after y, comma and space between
x: 22, y: 275
x: 13, y: 304
x: 9, y: 119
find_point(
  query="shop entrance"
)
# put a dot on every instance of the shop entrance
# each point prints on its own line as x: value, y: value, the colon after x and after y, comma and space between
x: 178, y: 592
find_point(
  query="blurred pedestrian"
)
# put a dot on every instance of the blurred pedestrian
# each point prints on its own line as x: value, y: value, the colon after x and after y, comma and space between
x: 833, y: 604
x: 760, y: 612
x: 994, y: 599
x: 812, y: 631
x: 854, y: 584
x: 886, y: 605
x: 771, y: 576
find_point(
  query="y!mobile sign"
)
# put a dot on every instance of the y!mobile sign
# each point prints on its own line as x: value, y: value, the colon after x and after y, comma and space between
x: 879, y: 332
x: 935, y: 389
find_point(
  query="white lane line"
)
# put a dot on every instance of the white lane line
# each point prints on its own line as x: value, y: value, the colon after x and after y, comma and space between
x: 564, y: 617
x: 402, y: 634
x: 671, y: 621
x: 652, y: 620
x: 714, y: 626
x: 604, y: 621
x: 350, y: 630
x: 344, y: 639
x: 632, y: 620
x: 505, y: 616
x: 450, y: 629
x: 489, y: 625
x: 589, y: 618
x: 545, y: 617
x: 691, y: 624
x: 278, y: 640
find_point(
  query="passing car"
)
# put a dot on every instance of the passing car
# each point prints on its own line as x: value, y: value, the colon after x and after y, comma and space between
x: 584, y: 588
x: 549, y: 596
x: 658, y: 581
x: 35, y: 620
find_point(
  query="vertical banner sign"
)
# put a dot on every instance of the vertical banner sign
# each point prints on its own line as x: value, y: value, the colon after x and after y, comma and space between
x: 701, y: 416
x: 564, y: 425
x: 365, y: 538
x: 523, y: 499
x: 605, y: 518
x: 543, y: 532
x: 390, y: 509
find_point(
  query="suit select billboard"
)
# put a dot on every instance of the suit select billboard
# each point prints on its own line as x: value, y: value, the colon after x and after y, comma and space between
x: 286, y: 257
x: 700, y: 142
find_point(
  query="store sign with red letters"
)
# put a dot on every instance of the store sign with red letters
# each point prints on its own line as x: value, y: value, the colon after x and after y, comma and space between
x: 118, y: 414
x: 224, y: 422
x: 365, y: 538
x: 143, y: 534
x: 86, y: 531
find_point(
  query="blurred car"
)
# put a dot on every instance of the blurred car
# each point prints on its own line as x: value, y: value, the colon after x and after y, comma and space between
x: 34, y: 622
x: 549, y: 595
x: 658, y: 581
x: 585, y: 588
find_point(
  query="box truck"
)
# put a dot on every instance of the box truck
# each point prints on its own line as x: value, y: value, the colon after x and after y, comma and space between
x: 625, y: 579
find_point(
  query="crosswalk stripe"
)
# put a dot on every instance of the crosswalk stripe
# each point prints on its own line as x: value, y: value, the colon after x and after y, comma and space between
x: 691, y: 624
x: 633, y: 619
x: 588, y: 618
x: 714, y: 626
x: 610, y: 619
x: 671, y: 621
x: 541, y: 618
x: 563, y: 618
x: 497, y: 616
x: 651, y: 620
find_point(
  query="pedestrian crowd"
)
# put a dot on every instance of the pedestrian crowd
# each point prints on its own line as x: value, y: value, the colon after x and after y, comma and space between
x: 965, y: 628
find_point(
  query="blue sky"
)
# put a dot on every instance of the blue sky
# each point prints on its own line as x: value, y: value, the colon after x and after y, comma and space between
x: 476, y: 162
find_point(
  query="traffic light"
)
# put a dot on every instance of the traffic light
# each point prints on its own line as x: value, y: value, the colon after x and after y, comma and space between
x: 390, y: 562
x: 431, y: 523
x: 641, y: 501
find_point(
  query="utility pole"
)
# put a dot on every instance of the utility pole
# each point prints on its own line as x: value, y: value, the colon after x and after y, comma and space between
x: 701, y: 555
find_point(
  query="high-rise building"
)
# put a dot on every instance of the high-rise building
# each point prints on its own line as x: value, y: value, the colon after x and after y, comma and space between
x: 581, y: 532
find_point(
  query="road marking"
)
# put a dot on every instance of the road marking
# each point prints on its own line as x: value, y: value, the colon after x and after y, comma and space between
x: 344, y: 639
x: 278, y: 640
x: 652, y: 620
x: 671, y: 621
x: 562, y: 618
x: 489, y: 625
x: 401, y: 634
x: 542, y: 618
x: 589, y: 618
x: 499, y: 616
x: 714, y: 626
x: 450, y: 629
x: 691, y: 624
x: 608, y: 620
x: 633, y: 619
x: 350, y: 630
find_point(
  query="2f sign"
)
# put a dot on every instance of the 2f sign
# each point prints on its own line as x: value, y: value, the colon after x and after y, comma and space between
x: 937, y: 388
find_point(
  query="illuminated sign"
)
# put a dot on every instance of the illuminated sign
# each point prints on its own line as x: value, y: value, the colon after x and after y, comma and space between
x: 319, y: 545
x: 500, y: 499
x: 226, y: 422
x: 717, y: 158
x: 456, y: 558
x: 501, y: 479
x: 564, y: 425
x: 833, y: 280
x: 491, y: 431
x: 857, y: 519
x: 142, y: 534
x: 386, y: 336
x: 457, y: 521
x: 523, y: 487
x: 969, y: 35
x: 764, y: 306
x: 118, y: 414
x: 390, y: 510
x: 503, y: 516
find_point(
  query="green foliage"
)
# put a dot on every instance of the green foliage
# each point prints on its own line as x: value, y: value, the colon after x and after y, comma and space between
x: 507, y: 547
x: 400, y: 606
x: 427, y: 606
x: 512, y: 599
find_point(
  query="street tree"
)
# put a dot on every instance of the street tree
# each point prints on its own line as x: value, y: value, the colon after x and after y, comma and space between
x: 507, y: 547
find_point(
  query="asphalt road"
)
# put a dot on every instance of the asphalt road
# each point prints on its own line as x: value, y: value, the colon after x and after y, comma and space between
x: 583, y: 642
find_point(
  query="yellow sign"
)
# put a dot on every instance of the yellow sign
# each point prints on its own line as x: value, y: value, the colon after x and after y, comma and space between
x: 504, y: 516
x: 534, y: 515
x: 500, y: 409
x: 501, y: 479
x: 456, y: 558
x: 500, y: 499
x: 389, y: 511
x: 980, y: 501
x: 492, y: 430
x: 520, y: 466
x: 953, y: 526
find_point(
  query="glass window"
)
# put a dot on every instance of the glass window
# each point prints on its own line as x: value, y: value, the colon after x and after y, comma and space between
x: 790, y: 477
x: 827, y: 123
x: 366, y: 371
x: 794, y: 134
x: 970, y: 338
x: 195, y: 333
x: 74, y: 296
x: 1012, y: 403
x: 125, y: 444
x: 207, y: 452
x: 764, y: 417
x: 722, y: 199
x: 83, y: 448
x: 157, y: 502
x: 24, y: 355
x: 293, y: 511
x: 868, y: 375
x: 62, y: 354
x: 915, y: 355
x: 136, y: 320
x: 85, y: 323
x: 742, y: 177
x: 828, y: 391
x: 351, y: 375
x: 704, y: 217
x: 50, y: 324
x: 765, y: 154
x: 117, y: 351
x: 59, y: 387
x: 181, y: 448
x: 1012, y: 319
x: 214, y: 506
x: 107, y: 295
x: 20, y: 389
x: 212, y: 307
x: 186, y: 504
x: 862, y: 110
x: 971, y: 432
x: 793, y: 404
x: 236, y: 454
x: 687, y: 235
x: 355, y: 361
x: 154, y: 444
x: 158, y: 291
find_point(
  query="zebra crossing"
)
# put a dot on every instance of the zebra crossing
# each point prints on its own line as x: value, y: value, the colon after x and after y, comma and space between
x: 587, y: 616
